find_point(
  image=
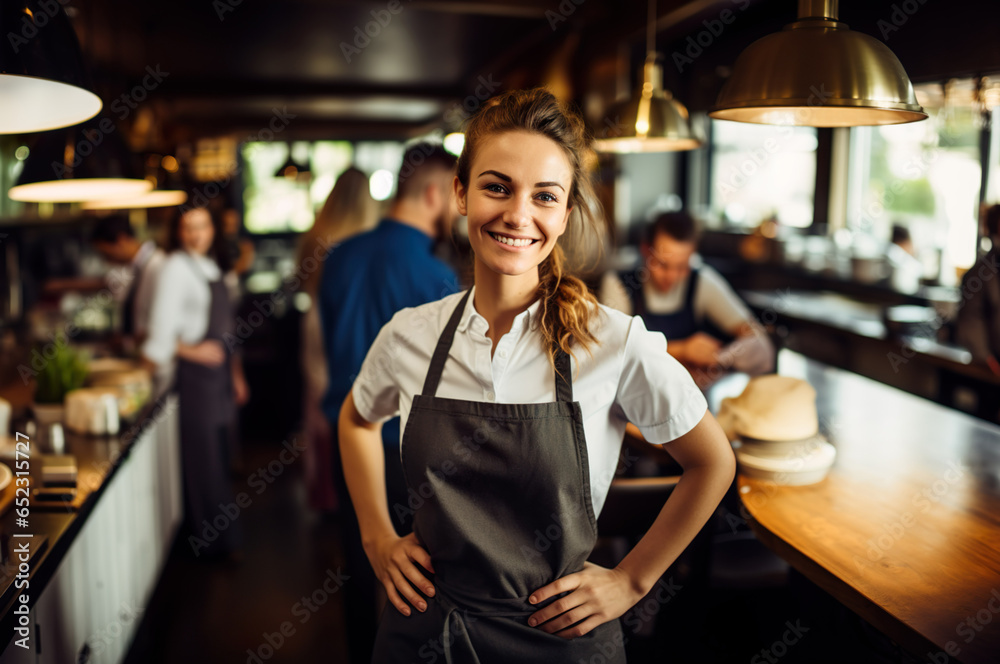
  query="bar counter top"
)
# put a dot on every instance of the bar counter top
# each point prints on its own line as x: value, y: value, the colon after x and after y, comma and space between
x: 905, y: 529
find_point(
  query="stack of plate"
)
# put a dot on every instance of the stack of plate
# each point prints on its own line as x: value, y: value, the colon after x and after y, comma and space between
x: 785, y: 462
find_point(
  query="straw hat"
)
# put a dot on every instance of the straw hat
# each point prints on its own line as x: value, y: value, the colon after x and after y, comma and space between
x: 776, y: 429
x: 771, y: 408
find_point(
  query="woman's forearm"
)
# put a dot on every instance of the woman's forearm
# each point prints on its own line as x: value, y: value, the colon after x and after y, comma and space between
x: 363, y: 461
x: 700, y: 490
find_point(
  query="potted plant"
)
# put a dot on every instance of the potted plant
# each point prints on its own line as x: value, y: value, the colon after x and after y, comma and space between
x: 64, y: 369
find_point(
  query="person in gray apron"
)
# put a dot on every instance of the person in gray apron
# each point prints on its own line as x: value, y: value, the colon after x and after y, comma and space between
x: 190, y: 319
x: 513, y: 399
x: 206, y: 403
x: 498, y: 499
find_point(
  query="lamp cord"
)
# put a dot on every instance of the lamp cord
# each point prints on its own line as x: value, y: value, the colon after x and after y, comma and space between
x: 651, y: 30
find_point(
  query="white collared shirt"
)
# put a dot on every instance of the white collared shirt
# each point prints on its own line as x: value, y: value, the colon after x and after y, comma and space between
x: 630, y: 378
x: 180, y: 307
x: 148, y: 263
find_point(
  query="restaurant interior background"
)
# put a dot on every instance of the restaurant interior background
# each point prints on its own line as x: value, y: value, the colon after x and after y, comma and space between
x: 256, y: 106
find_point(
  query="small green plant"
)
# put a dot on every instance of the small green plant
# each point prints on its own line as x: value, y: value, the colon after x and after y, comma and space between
x: 65, y: 369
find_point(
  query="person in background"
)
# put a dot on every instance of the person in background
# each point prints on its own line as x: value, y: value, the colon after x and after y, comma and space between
x: 706, y: 324
x: 906, y: 268
x: 901, y: 238
x: 348, y: 210
x: 366, y: 280
x: 115, y: 240
x: 190, y: 316
x: 977, y: 326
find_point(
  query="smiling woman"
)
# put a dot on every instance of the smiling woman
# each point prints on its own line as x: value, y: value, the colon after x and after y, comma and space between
x: 509, y: 432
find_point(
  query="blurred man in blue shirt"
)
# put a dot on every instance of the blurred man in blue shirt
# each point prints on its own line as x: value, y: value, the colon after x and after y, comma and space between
x: 366, y: 280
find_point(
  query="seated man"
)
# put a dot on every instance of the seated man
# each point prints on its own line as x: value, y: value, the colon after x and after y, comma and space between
x: 708, y: 328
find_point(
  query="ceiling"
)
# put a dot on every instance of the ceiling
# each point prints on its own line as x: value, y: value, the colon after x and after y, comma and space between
x: 229, y: 66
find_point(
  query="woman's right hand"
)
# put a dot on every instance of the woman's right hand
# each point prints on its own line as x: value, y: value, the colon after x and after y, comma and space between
x: 209, y: 353
x: 393, y: 559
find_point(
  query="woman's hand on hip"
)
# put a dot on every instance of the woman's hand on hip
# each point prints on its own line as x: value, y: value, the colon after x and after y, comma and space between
x: 210, y: 353
x: 596, y: 595
x: 393, y: 560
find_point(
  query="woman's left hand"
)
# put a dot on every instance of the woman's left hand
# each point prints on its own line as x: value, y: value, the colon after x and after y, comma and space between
x: 596, y: 595
x: 241, y: 391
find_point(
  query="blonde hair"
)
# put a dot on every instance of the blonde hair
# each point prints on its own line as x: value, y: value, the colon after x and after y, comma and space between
x: 348, y: 210
x: 567, y: 306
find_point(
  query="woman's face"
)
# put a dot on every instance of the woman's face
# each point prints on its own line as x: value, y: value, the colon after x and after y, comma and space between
x: 196, y: 231
x: 516, y: 201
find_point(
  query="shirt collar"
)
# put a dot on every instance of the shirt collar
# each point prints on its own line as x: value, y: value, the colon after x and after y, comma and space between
x: 145, y: 251
x: 523, y: 320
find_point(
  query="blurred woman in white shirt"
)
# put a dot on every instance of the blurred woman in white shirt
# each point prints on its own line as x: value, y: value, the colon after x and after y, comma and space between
x: 190, y: 323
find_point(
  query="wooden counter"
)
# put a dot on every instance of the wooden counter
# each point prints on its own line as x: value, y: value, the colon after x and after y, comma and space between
x: 905, y: 530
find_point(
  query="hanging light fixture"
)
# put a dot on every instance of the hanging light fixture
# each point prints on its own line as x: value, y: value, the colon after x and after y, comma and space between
x: 42, y: 79
x: 86, y: 162
x: 151, y: 199
x: 817, y: 72
x: 652, y: 120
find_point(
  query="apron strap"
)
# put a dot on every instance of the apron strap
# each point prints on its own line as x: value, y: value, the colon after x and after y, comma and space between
x: 564, y: 378
x: 443, y: 346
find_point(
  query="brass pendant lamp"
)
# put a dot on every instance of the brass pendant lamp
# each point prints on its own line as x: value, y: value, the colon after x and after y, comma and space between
x: 817, y: 72
x: 652, y: 120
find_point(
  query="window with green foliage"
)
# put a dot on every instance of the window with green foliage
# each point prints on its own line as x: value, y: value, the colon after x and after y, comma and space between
x: 925, y: 176
x: 277, y: 203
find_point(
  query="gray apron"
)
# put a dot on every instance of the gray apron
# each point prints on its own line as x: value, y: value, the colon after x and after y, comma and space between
x: 206, y: 409
x: 506, y: 510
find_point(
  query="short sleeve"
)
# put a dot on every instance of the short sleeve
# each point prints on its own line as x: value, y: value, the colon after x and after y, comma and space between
x: 375, y: 390
x: 655, y: 392
x: 719, y: 301
x: 166, y: 318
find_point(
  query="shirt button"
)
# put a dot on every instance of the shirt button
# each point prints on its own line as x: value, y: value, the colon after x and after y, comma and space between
x: 490, y: 396
x: 502, y: 354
